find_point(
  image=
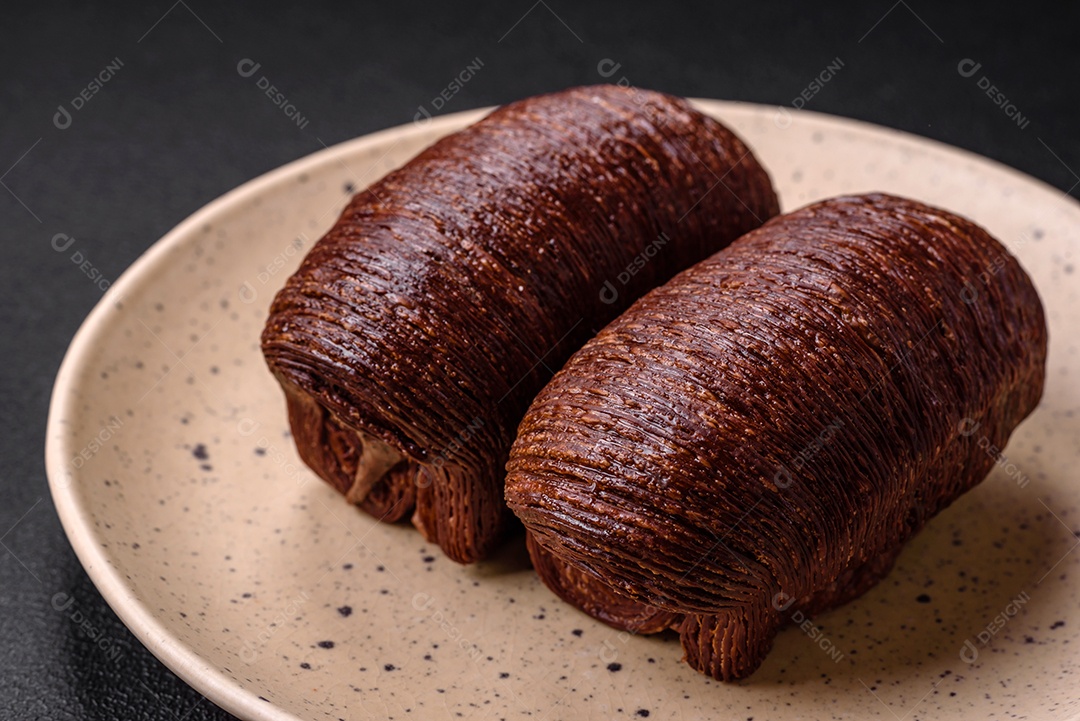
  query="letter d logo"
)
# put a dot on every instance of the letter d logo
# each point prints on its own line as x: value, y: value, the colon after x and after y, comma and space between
x: 247, y: 292
x: 247, y: 67
x: 608, y: 294
x: 782, y: 118
x: 967, y: 67
x: 62, y: 602
x: 62, y: 119
x: 61, y: 242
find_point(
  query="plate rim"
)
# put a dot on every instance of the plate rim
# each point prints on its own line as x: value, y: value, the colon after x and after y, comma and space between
x: 77, y: 523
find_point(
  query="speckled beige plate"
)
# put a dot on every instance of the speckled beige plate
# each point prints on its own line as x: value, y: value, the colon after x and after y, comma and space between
x: 175, y: 478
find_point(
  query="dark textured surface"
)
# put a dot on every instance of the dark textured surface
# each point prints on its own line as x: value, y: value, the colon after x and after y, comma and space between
x: 517, y: 233
x: 782, y: 417
x: 178, y: 126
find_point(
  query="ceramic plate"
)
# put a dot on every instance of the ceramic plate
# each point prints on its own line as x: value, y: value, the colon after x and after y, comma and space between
x: 171, y: 466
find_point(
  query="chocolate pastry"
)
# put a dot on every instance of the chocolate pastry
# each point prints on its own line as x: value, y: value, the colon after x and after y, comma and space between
x: 763, y: 433
x: 416, y: 332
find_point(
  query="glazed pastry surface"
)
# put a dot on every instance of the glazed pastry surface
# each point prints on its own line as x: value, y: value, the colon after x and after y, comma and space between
x: 416, y: 332
x: 764, y: 432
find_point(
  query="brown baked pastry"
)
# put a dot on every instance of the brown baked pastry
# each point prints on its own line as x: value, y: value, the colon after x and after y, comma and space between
x: 416, y: 332
x: 762, y: 434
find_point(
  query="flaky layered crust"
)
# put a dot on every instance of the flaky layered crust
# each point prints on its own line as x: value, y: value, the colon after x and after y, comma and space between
x: 761, y: 434
x: 416, y: 332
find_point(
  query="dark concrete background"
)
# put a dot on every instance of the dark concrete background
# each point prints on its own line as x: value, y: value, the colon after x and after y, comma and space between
x: 178, y: 126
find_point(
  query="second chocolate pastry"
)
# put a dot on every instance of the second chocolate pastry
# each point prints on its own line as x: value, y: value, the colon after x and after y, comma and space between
x: 416, y: 332
x: 762, y: 434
